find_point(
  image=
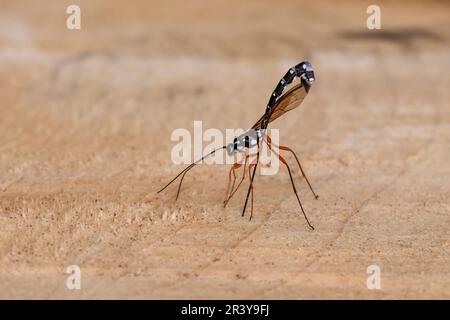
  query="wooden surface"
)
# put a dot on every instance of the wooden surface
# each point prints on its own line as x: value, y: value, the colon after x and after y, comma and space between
x: 85, y: 125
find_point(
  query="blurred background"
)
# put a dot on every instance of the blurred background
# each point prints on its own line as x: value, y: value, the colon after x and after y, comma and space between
x: 85, y: 123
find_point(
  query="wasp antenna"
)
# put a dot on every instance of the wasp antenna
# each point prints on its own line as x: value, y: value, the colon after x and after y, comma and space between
x: 184, y: 171
x: 181, y: 181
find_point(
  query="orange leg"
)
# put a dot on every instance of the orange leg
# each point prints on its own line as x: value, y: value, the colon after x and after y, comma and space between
x: 251, y: 177
x: 284, y: 148
x: 292, y: 183
x: 252, y: 164
x: 232, y: 192
x: 231, y: 181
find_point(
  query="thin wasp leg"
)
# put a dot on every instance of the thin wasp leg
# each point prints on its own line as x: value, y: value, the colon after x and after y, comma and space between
x: 232, y: 188
x: 234, y: 177
x: 301, y: 169
x: 239, y: 184
x: 251, y: 182
x: 231, y: 173
x: 293, y: 185
x: 251, y: 185
x: 285, y: 148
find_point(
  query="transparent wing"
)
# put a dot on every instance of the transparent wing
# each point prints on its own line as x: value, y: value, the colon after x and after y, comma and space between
x: 288, y: 101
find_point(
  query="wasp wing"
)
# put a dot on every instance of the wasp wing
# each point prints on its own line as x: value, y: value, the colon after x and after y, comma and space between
x: 288, y: 101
